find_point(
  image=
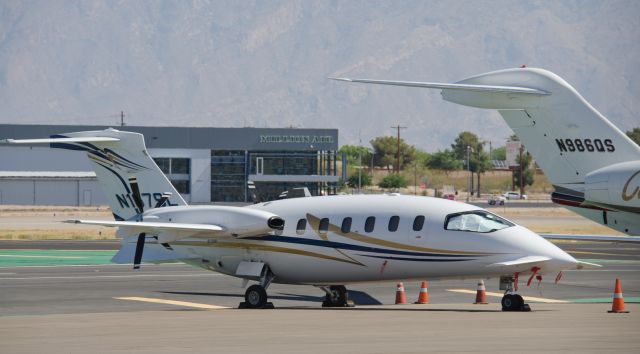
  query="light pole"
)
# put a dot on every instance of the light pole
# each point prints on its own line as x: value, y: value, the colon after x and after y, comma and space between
x: 359, y: 169
x: 469, y: 170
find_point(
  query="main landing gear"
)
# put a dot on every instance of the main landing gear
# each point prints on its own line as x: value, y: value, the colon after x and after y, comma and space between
x: 337, y: 296
x: 512, y: 301
x: 256, y: 295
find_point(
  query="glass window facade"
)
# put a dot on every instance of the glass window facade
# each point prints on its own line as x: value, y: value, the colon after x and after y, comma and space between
x: 178, y: 171
x: 228, y: 176
x: 232, y: 169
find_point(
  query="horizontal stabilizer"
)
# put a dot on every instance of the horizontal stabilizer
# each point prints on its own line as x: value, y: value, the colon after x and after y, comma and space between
x: 83, y: 139
x: 153, y: 253
x: 435, y: 85
x: 152, y: 227
x: 529, y: 260
x: 592, y: 238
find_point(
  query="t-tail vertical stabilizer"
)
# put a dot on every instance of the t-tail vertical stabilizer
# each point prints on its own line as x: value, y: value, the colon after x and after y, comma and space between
x: 122, y: 164
x: 591, y: 163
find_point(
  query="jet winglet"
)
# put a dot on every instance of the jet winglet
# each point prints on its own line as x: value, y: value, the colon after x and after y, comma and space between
x: 444, y: 86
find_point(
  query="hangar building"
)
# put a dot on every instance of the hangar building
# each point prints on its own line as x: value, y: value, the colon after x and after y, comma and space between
x: 206, y: 165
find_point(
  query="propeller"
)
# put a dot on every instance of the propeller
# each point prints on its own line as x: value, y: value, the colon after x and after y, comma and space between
x: 139, y: 205
x: 137, y: 198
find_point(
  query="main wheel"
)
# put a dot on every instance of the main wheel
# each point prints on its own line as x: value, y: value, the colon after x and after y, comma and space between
x: 337, y: 296
x: 255, y: 296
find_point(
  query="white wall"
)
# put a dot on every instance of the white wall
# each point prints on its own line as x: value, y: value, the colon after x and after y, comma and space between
x: 51, y: 192
x: 200, y: 170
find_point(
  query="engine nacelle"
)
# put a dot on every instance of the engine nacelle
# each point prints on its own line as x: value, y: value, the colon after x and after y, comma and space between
x: 235, y: 221
x: 615, y: 187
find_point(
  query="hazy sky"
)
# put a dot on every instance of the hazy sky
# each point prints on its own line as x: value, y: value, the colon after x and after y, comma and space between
x: 265, y: 63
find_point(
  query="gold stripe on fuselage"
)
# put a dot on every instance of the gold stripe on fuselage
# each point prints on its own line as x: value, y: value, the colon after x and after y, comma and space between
x: 268, y: 248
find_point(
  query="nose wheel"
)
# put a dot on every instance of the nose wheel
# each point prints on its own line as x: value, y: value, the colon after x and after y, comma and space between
x: 510, y: 300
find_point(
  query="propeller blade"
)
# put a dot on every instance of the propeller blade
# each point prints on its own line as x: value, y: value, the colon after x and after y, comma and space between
x: 137, y: 259
x: 163, y: 199
x: 133, y: 181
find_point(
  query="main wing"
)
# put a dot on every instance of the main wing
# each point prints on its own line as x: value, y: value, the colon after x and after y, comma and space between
x: 165, y: 232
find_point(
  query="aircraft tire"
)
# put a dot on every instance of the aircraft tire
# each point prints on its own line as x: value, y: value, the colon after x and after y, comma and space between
x: 255, y: 296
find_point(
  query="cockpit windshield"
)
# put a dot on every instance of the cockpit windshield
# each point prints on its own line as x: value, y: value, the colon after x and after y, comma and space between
x: 475, y: 221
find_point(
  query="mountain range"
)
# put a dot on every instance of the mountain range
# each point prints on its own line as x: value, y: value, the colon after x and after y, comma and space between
x: 266, y: 63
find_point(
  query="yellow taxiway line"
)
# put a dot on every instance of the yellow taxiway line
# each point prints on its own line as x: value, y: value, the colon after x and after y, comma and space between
x: 527, y: 298
x: 173, y: 302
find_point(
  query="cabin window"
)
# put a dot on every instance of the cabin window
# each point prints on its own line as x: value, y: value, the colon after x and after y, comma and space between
x: 324, y: 225
x: 418, y: 223
x: 301, y: 227
x: 475, y: 221
x: 370, y: 224
x: 346, y: 225
x: 394, y: 221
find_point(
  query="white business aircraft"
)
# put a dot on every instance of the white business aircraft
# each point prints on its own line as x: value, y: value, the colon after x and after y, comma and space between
x: 593, y: 166
x: 322, y: 241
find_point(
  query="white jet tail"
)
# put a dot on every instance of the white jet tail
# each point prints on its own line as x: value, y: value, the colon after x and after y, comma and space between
x: 122, y: 165
x: 586, y: 158
x: 564, y: 133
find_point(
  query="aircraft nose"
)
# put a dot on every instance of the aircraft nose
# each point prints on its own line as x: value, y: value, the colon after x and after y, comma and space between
x: 561, y: 260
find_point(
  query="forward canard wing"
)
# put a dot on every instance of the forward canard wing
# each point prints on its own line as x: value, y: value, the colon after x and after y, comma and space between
x: 524, y: 261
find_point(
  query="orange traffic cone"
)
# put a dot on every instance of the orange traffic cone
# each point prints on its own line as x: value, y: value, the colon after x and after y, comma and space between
x: 423, y: 297
x: 481, y: 294
x: 618, y: 301
x: 401, y: 299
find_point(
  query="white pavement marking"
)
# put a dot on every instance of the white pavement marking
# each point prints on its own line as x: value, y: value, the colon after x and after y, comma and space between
x: 173, y: 302
x: 528, y: 298
x: 116, y: 276
x: 54, y: 257
x: 6, y: 273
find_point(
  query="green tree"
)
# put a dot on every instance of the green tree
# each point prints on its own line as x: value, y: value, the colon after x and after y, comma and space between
x: 385, y: 149
x: 365, y: 180
x: 444, y: 160
x: 393, y: 181
x: 527, y: 172
x: 479, y: 161
x: 634, y: 135
x: 353, y: 153
x: 499, y: 153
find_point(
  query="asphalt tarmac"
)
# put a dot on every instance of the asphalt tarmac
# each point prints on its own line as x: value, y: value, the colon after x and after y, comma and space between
x: 176, y: 308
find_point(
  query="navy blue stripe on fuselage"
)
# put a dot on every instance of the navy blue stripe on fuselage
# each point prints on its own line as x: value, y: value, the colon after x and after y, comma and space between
x: 348, y: 246
x: 418, y: 259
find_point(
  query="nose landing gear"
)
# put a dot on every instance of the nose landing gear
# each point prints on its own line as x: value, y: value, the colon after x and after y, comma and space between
x: 512, y: 301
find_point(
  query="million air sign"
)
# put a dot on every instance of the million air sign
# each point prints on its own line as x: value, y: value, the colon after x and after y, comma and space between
x: 296, y: 139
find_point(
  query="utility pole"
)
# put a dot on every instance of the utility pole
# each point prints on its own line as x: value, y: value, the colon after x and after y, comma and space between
x: 398, y: 127
x: 122, y: 118
x: 469, y: 170
x: 521, y: 176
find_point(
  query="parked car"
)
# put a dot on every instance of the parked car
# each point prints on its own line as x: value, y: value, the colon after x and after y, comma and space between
x: 449, y: 196
x: 496, y: 199
x: 514, y: 195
